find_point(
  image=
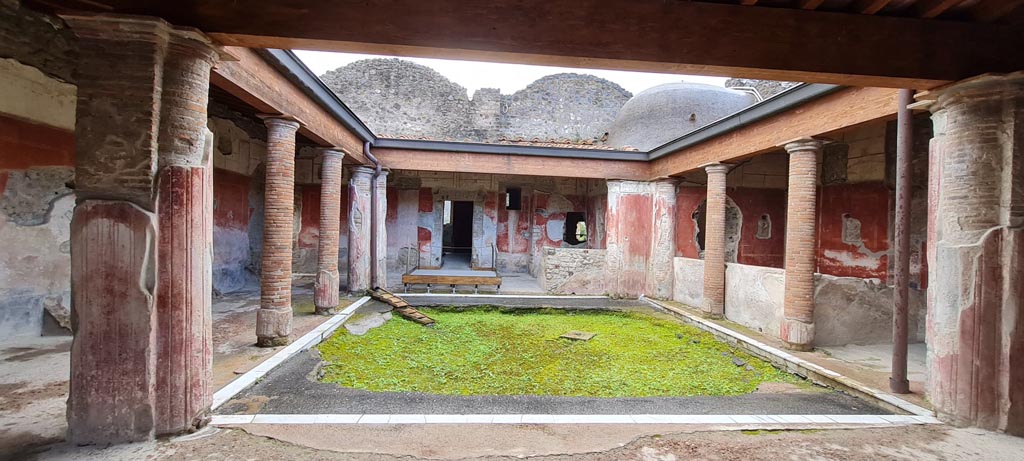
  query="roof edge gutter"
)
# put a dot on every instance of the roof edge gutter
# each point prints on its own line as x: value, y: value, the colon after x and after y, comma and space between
x: 782, y: 102
x: 295, y: 70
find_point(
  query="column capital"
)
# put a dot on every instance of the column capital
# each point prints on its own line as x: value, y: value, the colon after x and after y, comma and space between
x: 332, y: 152
x: 192, y: 42
x: 359, y: 170
x: 803, y: 145
x: 280, y: 121
x: 983, y: 87
x: 717, y: 168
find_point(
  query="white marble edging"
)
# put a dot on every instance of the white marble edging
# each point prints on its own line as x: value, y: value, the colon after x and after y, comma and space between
x: 741, y: 421
x: 314, y: 337
x: 793, y: 362
x: 469, y: 295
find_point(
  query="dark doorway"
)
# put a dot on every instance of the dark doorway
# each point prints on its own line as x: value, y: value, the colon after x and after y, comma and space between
x: 458, y: 227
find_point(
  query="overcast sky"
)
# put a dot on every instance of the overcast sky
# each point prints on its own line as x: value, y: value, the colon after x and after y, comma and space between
x: 507, y: 77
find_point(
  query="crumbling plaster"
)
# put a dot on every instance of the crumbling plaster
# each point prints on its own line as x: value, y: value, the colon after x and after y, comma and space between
x: 573, y: 271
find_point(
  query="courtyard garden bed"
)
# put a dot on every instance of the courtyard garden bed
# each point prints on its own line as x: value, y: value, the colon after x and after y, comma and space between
x: 495, y: 351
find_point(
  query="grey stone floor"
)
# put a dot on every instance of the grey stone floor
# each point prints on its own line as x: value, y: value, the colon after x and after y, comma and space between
x: 292, y: 389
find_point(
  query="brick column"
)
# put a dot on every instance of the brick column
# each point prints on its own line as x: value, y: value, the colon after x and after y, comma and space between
x: 660, y: 275
x: 274, y: 318
x: 359, y: 230
x: 185, y: 205
x: 801, y: 217
x: 380, y: 232
x: 141, y: 232
x: 975, y: 331
x: 328, y: 285
x: 714, y: 242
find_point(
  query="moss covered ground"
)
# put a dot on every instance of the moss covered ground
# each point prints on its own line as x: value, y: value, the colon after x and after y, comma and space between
x: 492, y: 351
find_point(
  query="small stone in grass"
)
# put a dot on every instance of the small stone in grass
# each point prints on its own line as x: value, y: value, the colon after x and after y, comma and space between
x: 738, y: 361
x: 695, y: 341
x: 680, y: 336
x: 750, y: 368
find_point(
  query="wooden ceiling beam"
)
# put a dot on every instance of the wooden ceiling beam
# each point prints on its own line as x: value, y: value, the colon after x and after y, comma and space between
x: 870, y: 6
x: 992, y: 10
x: 463, y: 162
x: 934, y: 8
x: 840, y: 110
x: 810, y: 4
x: 655, y: 36
x: 255, y: 82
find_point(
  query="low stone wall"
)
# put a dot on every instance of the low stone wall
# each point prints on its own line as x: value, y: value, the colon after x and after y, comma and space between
x: 573, y: 271
x: 850, y: 310
x: 689, y: 281
x: 754, y: 296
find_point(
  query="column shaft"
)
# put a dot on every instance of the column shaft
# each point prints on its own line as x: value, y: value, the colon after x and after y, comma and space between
x: 660, y: 276
x: 141, y: 232
x: 714, y: 242
x: 898, y: 382
x: 801, y: 218
x: 327, y: 285
x: 274, y: 318
x: 380, y: 232
x: 185, y: 206
x: 975, y: 330
x: 359, y: 230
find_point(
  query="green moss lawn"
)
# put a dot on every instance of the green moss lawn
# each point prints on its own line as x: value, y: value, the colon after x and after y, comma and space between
x: 489, y: 351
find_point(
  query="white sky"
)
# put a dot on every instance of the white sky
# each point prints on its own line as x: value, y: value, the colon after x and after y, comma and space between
x: 507, y: 77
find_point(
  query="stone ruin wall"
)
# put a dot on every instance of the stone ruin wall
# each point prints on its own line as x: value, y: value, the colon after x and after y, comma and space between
x: 397, y: 98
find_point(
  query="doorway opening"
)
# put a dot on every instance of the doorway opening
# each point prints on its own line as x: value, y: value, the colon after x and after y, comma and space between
x: 457, y: 238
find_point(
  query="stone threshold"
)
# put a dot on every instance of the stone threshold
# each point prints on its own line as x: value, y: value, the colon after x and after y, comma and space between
x: 313, y: 338
x: 794, y: 364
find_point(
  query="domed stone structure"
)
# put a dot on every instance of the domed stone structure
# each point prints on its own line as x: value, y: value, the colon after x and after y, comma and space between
x: 660, y: 114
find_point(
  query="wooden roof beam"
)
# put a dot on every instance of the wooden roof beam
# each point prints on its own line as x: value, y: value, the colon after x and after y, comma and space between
x: 810, y: 4
x: 261, y: 86
x: 934, y: 8
x: 992, y: 10
x: 654, y: 36
x: 870, y: 6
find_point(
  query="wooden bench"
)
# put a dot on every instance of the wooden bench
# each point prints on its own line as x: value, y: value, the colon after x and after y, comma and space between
x: 452, y: 280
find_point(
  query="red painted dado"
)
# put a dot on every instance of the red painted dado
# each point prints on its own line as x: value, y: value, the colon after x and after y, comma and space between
x: 309, y: 232
x: 752, y: 204
x: 231, y: 200
x: 867, y: 203
x: 25, y: 144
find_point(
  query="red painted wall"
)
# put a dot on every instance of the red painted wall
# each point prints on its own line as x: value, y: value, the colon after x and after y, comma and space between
x: 752, y: 204
x: 868, y: 203
x: 231, y: 200
x: 687, y: 201
x: 24, y: 144
x: 514, y: 226
x: 629, y: 224
x: 309, y: 232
